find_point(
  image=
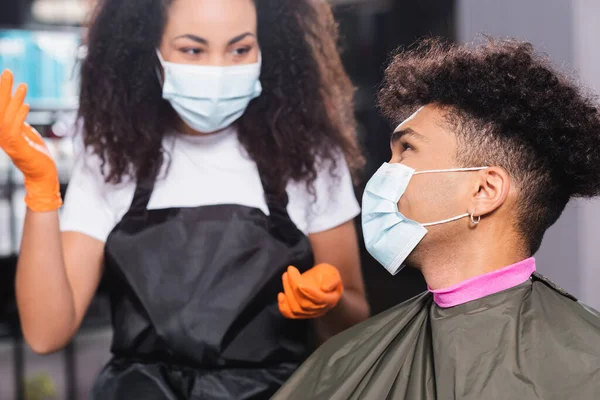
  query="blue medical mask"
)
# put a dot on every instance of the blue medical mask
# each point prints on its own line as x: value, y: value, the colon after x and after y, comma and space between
x: 389, y: 236
x: 210, y: 98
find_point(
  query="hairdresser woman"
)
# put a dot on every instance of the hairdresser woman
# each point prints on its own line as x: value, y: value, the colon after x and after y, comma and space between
x: 219, y: 148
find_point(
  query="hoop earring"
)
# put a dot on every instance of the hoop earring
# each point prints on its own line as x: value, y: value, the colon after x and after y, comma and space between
x: 474, y: 221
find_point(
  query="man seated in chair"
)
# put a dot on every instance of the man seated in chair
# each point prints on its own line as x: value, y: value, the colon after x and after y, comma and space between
x: 496, y: 144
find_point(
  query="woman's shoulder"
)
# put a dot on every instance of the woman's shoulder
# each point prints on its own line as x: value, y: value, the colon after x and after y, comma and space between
x: 330, y: 200
x: 92, y: 205
x: 90, y: 166
x: 89, y: 174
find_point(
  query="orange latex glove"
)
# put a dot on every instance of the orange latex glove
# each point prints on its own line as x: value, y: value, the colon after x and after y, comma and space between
x: 27, y: 149
x: 311, y: 294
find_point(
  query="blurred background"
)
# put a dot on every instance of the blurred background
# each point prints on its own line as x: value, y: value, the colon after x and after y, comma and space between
x: 41, y: 42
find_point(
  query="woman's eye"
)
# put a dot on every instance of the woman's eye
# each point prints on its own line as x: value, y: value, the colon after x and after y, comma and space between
x: 241, y: 51
x: 191, y: 51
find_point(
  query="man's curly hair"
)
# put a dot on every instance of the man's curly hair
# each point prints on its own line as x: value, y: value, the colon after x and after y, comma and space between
x: 509, y: 108
x: 304, y: 115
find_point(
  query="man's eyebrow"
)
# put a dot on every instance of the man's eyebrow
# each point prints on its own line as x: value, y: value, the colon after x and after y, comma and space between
x: 409, y: 132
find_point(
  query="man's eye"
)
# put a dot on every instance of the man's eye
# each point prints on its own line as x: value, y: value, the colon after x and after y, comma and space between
x: 406, y: 146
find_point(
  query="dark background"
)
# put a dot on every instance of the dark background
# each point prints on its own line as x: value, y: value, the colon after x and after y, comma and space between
x: 365, y: 58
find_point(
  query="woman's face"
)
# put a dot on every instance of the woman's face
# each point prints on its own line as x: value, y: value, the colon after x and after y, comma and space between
x: 211, y: 32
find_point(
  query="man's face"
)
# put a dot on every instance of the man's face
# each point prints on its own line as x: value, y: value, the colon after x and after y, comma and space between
x: 423, y: 143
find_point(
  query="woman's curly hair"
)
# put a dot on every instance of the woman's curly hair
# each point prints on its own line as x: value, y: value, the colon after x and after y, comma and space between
x: 304, y: 116
x: 509, y: 108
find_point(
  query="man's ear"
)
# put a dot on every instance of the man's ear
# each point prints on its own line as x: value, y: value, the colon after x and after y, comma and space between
x: 490, y: 191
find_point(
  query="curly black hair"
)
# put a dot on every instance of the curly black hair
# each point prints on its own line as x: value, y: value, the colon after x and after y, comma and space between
x: 304, y: 115
x: 510, y: 108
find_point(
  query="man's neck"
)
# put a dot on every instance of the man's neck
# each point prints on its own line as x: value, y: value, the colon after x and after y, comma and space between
x: 443, y: 269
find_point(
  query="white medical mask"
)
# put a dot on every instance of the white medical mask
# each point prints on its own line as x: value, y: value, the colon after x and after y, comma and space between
x: 389, y: 236
x: 210, y: 98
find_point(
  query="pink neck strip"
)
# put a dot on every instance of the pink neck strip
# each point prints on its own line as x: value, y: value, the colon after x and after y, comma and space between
x: 485, y: 285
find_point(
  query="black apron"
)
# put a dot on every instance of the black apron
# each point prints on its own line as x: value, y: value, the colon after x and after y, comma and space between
x: 531, y: 342
x: 194, y: 301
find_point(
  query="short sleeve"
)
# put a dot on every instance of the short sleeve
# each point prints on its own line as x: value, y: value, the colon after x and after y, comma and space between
x: 335, y: 202
x: 86, y: 209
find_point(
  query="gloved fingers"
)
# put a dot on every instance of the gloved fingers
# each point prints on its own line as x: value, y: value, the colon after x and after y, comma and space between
x: 286, y: 310
x: 327, y: 276
x: 16, y: 125
x: 6, y: 83
x: 14, y: 106
x: 284, y: 307
x: 289, y: 294
x: 296, y: 285
x: 318, y: 297
x: 295, y: 277
x: 315, y: 295
x: 11, y: 133
x: 331, y: 283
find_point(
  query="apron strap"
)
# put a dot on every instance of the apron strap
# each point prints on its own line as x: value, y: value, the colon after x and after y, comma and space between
x: 141, y: 196
x: 281, y: 225
x: 276, y: 202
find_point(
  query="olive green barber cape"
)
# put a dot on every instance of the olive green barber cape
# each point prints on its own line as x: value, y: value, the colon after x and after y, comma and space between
x: 533, y: 341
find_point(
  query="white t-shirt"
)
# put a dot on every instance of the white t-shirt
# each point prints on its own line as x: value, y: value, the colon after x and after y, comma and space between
x: 203, y: 170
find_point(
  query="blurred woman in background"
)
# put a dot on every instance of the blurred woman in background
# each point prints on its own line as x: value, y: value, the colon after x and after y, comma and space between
x: 218, y: 150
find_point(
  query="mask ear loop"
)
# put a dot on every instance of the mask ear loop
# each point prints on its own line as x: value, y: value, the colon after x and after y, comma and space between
x: 157, y: 69
x: 474, y: 221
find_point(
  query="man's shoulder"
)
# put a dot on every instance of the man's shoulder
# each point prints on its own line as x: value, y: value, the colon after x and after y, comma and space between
x: 537, y: 277
x: 564, y: 318
x: 369, y: 331
x: 552, y: 293
x: 341, y: 363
